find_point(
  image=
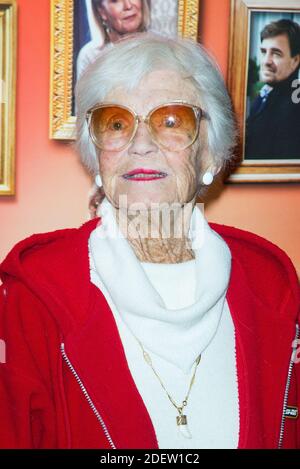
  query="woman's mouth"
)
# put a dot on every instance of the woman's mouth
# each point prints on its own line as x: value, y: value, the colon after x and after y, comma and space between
x: 129, y: 17
x: 142, y: 174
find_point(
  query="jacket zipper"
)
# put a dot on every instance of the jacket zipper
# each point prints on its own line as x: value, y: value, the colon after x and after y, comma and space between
x: 287, y: 387
x: 86, y: 395
x: 238, y: 389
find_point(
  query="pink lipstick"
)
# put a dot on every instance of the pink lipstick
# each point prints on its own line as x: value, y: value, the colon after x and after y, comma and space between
x: 142, y: 174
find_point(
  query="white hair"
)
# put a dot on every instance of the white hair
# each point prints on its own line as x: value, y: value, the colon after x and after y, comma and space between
x: 126, y: 62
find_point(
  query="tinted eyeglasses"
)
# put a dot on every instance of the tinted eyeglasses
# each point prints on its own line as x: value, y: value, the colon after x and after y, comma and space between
x: 173, y: 126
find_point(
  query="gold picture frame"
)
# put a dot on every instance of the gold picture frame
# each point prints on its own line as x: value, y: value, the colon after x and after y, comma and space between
x: 254, y: 170
x: 8, y: 43
x: 62, y: 122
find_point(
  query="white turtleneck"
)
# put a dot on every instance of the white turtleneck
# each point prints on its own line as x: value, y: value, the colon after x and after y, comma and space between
x: 175, y: 283
x: 177, y: 311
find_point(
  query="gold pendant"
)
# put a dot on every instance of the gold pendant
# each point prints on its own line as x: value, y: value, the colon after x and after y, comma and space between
x: 181, y: 419
x: 183, y: 426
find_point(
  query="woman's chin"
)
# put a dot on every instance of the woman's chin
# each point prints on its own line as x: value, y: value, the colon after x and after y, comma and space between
x: 145, y: 201
x: 132, y: 25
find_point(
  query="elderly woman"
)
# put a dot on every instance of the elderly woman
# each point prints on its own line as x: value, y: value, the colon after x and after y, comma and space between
x: 114, y: 19
x: 147, y: 327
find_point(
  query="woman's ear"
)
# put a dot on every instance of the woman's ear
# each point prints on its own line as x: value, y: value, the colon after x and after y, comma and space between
x: 102, y: 13
x: 208, y: 163
x: 217, y: 168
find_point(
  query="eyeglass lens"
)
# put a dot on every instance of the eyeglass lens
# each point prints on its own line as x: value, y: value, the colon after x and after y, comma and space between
x: 173, y: 126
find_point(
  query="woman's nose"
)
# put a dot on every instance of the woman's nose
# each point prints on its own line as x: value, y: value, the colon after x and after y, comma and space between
x: 142, y: 143
x: 127, y: 4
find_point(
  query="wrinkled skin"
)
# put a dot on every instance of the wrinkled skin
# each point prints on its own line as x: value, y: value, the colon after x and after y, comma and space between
x: 183, y: 168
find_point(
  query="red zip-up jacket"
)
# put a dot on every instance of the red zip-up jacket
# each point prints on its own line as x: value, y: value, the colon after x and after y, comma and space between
x: 65, y: 382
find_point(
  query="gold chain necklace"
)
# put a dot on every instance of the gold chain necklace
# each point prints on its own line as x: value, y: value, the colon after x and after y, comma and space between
x: 181, y: 419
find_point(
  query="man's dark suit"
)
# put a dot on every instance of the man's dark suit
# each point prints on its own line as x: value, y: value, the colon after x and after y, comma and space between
x: 274, y: 131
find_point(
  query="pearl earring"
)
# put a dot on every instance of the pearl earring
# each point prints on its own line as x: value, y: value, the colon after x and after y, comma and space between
x: 207, y: 178
x: 98, y: 180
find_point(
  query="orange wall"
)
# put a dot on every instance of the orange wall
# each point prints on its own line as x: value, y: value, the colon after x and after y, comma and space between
x: 51, y: 187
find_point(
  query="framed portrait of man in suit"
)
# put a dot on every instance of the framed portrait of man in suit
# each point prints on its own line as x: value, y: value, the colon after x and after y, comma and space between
x: 264, y: 82
x: 80, y: 29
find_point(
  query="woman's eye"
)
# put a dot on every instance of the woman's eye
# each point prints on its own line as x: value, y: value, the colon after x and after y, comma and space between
x: 116, y: 125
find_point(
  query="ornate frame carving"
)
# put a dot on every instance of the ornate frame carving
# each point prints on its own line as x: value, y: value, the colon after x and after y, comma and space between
x: 62, y: 123
x: 8, y: 45
x: 253, y: 170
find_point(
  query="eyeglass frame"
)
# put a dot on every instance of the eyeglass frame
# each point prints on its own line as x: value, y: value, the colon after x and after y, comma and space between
x: 198, y: 112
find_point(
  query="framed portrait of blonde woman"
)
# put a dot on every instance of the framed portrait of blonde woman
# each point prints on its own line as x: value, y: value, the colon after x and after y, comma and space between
x: 264, y: 83
x: 80, y: 29
x: 8, y: 32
